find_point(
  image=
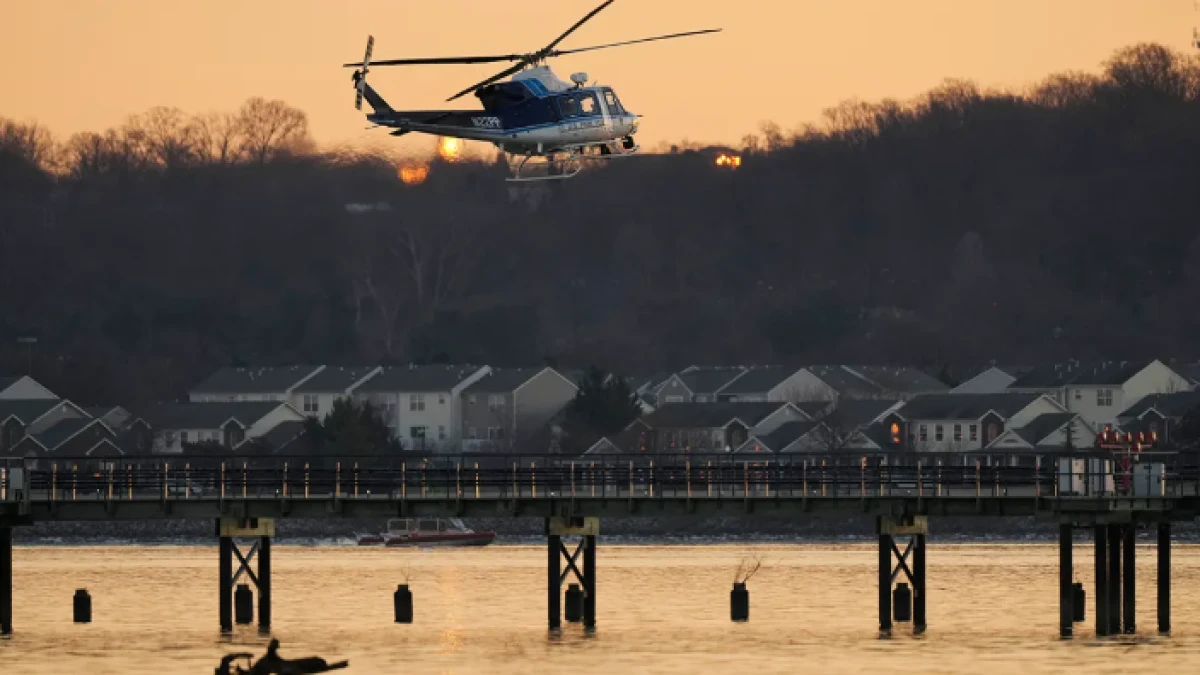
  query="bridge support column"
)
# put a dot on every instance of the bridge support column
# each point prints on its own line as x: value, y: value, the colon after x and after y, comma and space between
x: 587, y: 530
x: 917, y: 528
x: 1164, y: 578
x: 1130, y: 569
x: 5, y: 581
x: 1114, y: 579
x: 228, y: 530
x: 1066, y: 596
x: 1101, y: 542
x: 554, y: 583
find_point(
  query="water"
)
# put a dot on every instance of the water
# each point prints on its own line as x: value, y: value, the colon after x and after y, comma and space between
x: 661, y: 609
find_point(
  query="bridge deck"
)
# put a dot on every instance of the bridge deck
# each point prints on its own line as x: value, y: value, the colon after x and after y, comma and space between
x: 1082, y: 488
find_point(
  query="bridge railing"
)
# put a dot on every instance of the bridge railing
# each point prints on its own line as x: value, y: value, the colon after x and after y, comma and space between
x: 846, y: 474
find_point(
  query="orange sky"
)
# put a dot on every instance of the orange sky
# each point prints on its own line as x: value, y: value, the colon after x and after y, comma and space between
x: 77, y: 65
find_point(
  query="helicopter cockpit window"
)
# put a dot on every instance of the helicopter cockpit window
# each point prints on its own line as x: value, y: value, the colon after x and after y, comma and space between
x: 614, y: 105
x: 588, y: 105
x: 568, y: 106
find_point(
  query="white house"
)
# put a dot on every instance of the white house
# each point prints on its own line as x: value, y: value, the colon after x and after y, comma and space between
x: 252, y: 384
x: 761, y: 384
x: 225, y: 423
x: 421, y: 404
x: 966, y: 422
x: 316, y: 395
x: 1098, y: 392
x: 23, y: 387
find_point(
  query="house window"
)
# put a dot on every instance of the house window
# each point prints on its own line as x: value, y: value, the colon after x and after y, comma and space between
x: 471, y: 433
x: 416, y: 432
x: 1078, y: 394
x: 416, y: 402
x: 183, y: 437
x: 495, y: 433
x: 922, y: 433
x: 895, y: 433
x: 471, y: 399
x: 170, y: 436
x: 973, y: 430
x: 441, y: 432
x: 1104, y: 397
x: 310, y: 403
x: 495, y: 402
x: 441, y: 399
x: 958, y: 432
x: 674, y: 399
x: 938, y: 433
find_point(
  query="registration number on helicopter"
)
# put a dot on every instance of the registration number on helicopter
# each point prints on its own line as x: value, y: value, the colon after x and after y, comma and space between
x: 486, y: 122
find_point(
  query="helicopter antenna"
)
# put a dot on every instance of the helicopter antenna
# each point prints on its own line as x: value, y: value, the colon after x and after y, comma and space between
x: 523, y: 60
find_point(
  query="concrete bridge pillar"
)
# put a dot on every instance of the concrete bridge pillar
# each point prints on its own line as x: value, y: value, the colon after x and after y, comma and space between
x: 587, y: 529
x: 917, y: 529
x: 228, y: 531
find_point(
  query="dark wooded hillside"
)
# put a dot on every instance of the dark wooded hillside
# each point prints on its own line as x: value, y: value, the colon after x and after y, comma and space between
x: 957, y: 228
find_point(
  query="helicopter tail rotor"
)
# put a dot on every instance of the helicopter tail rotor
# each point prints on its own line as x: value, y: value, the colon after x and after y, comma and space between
x: 360, y: 76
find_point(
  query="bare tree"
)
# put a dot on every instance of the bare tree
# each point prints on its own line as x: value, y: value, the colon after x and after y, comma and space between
x: 271, y: 127
x: 31, y: 142
x: 835, y: 431
x: 220, y: 139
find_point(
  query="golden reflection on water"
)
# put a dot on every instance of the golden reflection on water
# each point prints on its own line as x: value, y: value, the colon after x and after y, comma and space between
x: 661, y: 609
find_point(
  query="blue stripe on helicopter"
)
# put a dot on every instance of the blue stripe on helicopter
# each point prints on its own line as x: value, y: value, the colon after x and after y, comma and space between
x: 536, y: 87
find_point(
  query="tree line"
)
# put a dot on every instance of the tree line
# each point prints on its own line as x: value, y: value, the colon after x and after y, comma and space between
x: 957, y: 228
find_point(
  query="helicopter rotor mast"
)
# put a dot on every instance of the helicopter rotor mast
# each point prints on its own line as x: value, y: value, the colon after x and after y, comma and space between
x: 523, y: 60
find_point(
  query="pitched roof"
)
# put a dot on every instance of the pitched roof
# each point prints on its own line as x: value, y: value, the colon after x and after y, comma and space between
x: 418, y: 379
x: 813, y: 409
x: 1097, y: 373
x: 205, y: 415
x: 62, y: 430
x: 901, y: 379
x: 786, y: 434
x: 27, y: 409
x: 1042, y: 426
x: 759, y: 380
x: 259, y: 380
x: 709, y: 415
x: 503, y: 380
x: 284, y: 433
x: 706, y: 381
x: 858, y: 413
x: 333, y: 379
x: 1173, y: 406
x: 647, y: 383
x: 964, y: 406
x: 845, y: 382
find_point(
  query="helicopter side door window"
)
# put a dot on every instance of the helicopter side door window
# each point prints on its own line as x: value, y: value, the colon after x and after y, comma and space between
x: 614, y: 106
x: 588, y: 105
x: 568, y: 106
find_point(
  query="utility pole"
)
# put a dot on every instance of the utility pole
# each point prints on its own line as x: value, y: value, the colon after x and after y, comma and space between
x: 29, y: 342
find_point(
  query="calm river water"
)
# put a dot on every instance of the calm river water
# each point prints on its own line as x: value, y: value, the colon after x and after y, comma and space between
x: 661, y: 609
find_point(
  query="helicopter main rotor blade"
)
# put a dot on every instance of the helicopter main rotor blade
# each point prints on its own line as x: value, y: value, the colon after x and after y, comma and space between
x: 579, y: 23
x: 441, y: 60
x: 560, y: 52
x: 499, y: 76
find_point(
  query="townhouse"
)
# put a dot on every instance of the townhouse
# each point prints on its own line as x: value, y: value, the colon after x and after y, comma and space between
x: 422, y: 405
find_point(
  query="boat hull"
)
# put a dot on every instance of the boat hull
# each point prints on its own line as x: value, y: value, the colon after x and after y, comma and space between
x: 466, y: 539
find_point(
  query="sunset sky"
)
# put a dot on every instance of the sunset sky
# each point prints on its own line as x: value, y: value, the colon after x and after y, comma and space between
x: 78, y: 65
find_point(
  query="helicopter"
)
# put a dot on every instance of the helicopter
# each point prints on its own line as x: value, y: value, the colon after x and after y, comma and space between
x: 533, y: 116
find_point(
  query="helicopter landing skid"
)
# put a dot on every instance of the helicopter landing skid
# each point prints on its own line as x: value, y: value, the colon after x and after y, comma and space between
x: 572, y: 164
x: 555, y: 169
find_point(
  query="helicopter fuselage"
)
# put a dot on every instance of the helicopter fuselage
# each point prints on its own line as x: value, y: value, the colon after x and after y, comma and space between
x: 523, y: 116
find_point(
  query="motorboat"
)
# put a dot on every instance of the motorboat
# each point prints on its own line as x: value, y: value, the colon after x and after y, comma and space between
x: 427, y: 532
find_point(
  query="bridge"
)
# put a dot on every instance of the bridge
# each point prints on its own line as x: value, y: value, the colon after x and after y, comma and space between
x: 1111, y: 494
